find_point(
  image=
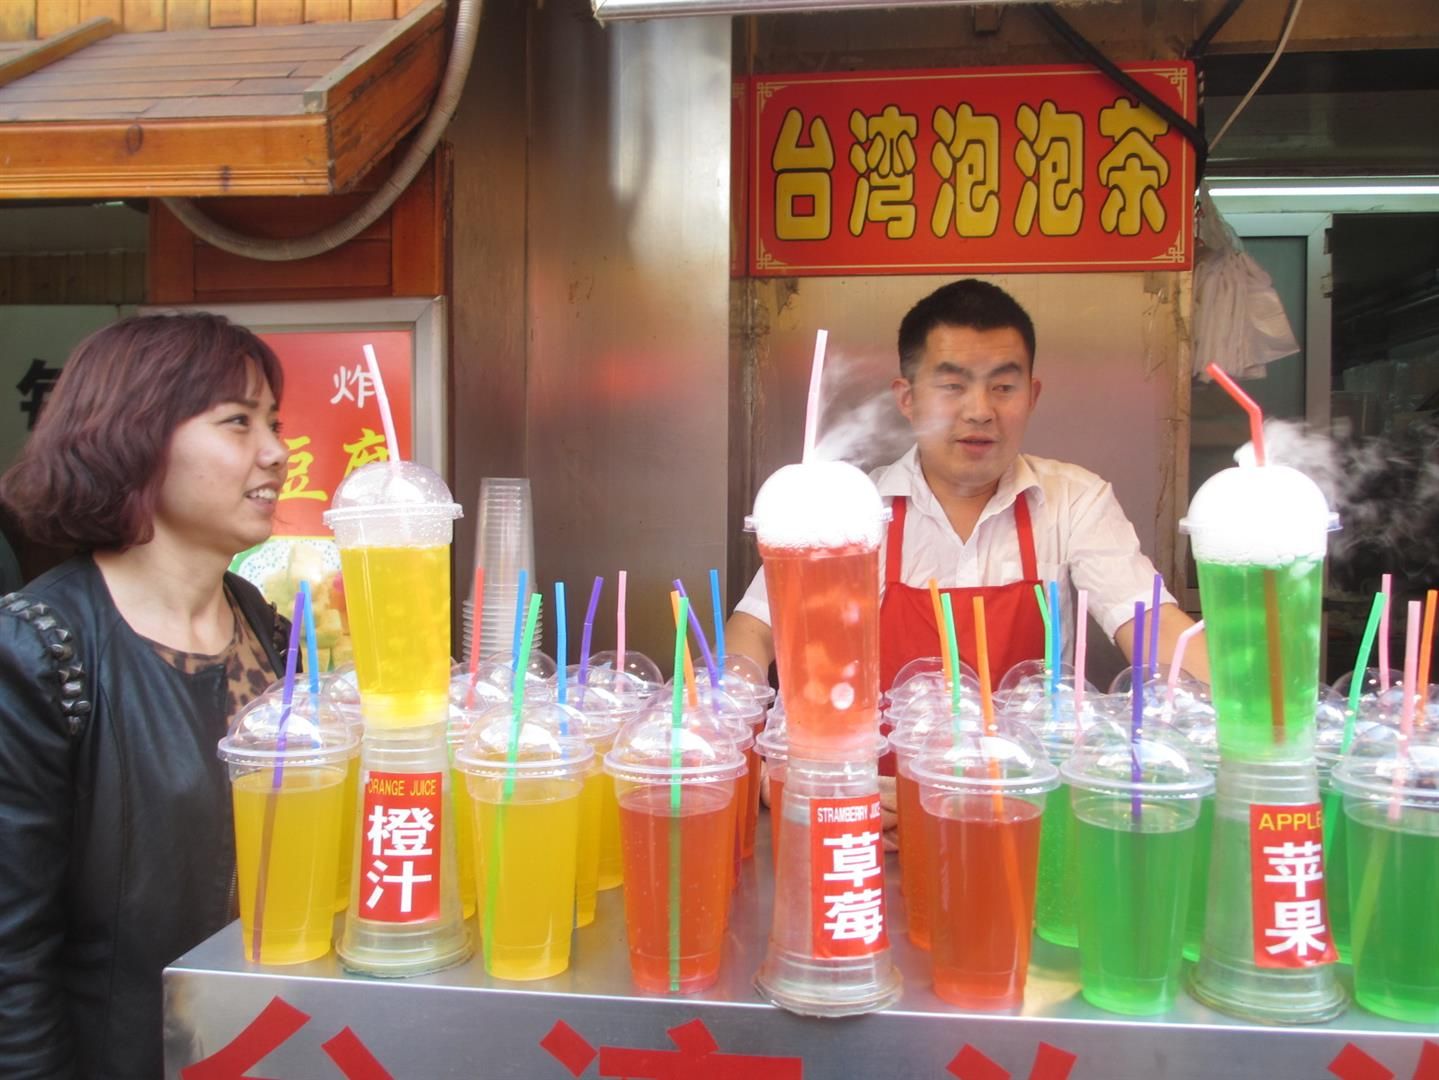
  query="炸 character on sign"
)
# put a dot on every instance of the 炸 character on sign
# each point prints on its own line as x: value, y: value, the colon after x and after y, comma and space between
x: 1134, y: 170
x: 803, y: 207
x: 35, y: 386
x: 883, y: 155
x: 1050, y: 153
x: 857, y: 915
x: 370, y: 446
x: 1298, y: 926
x: 352, y: 383
x: 967, y: 159
x: 297, y: 472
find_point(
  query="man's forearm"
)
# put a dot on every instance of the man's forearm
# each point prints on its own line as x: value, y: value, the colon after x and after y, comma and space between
x: 748, y: 636
x: 1172, y: 623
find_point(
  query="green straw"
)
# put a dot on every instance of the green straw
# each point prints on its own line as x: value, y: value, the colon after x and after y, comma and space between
x: 681, y: 618
x: 1351, y: 714
x: 1044, y: 614
x: 954, y: 682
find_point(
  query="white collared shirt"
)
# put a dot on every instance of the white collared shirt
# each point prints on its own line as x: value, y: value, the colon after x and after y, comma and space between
x: 1082, y: 539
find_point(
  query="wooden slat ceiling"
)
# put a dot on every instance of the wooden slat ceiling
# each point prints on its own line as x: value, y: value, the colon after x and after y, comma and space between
x: 270, y: 110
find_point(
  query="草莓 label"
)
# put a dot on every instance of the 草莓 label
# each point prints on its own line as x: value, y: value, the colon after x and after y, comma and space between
x: 1286, y: 856
x: 847, y: 877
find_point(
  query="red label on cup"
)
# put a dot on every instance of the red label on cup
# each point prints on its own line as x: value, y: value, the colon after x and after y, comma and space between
x: 847, y: 876
x: 1286, y: 859
x: 400, y: 862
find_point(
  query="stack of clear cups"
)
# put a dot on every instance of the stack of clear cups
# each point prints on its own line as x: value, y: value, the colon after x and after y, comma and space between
x: 983, y: 794
x: 287, y: 779
x: 504, y: 547
x: 676, y: 787
x: 526, y: 781
x: 469, y: 699
x: 742, y: 679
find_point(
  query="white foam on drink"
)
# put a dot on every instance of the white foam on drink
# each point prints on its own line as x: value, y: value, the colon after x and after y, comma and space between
x: 820, y: 504
x: 1266, y: 515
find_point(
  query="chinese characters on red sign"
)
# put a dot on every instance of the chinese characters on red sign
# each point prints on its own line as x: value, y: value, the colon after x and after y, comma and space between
x: 1286, y: 855
x: 331, y: 418
x: 1038, y: 168
x: 401, y: 862
x: 847, y: 877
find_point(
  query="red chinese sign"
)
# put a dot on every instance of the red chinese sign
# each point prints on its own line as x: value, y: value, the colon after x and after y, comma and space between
x: 847, y: 876
x: 1019, y: 168
x: 401, y: 864
x: 330, y: 416
x: 1286, y: 857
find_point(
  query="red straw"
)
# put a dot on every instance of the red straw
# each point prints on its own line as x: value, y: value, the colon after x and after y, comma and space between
x: 1248, y: 404
x: 475, y: 635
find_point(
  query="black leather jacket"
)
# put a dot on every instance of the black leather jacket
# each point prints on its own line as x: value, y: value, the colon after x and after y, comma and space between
x: 116, y: 848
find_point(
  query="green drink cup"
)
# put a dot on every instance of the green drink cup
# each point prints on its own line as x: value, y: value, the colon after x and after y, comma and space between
x: 1136, y: 802
x: 1193, y: 718
x: 1391, y: 801
x: 1054, y: 908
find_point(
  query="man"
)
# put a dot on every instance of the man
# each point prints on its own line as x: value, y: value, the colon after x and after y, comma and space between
x: 972, y: 512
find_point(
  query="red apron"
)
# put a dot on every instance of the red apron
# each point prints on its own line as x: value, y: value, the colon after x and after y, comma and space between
x: 907, y: 629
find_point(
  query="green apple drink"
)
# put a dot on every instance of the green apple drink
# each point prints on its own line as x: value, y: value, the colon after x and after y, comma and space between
x: 1259, y: 535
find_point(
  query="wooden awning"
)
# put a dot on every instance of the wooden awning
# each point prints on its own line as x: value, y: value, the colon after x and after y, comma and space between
x: 282, y: 110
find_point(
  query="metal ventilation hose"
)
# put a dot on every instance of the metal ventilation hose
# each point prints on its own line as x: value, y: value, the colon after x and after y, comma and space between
x: 447, y: 99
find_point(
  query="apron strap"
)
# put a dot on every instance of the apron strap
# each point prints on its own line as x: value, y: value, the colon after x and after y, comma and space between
x: 1028, y: 563
x: 894, y: 542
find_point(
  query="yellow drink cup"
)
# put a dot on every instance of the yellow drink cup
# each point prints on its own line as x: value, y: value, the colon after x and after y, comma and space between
x: 287, y: 775
x: 598, y: 714
x: 525, y: 782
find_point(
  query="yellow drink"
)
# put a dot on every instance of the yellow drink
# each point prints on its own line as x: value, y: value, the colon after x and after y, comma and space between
x: 612, y: 863
x: 398, y: 600
x: 348, y: 811
x: 299, y: 900
x: 587, y: 866
x: 464, y: 812
x: 532, y: 840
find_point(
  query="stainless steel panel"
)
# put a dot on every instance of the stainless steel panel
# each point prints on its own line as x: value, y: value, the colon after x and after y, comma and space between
x: 462, y: 1024
x: 626, y: 429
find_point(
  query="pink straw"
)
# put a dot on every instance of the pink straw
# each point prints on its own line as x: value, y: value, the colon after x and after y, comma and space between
x: 392, y: 444
x: 1386, y: 587
x: 1406, y: 714
x: 811, y: 412
x: 620, y: 625
x: 1081, y: 642
x: 1177, y: 661
x: 475, y: 635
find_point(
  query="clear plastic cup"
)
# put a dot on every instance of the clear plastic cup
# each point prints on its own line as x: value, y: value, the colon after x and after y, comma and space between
x: 746, y: 718
x: 923, y: 674
x: 1330, y: 724
x: 1391, y: 803
x: 605, y: 714
x: 340, y: 689
x: 469, y: 700
x: 1136, y: 804
x: 393, y: 522
x: 526, y: 783
x: 1193, y: 717
x: 743, y: 678
x: 773, y: 746
x: 983, y: 796
x: 676, y: 788
x: 639, y: 679
x: 287, y: 782
x: 504, y: 546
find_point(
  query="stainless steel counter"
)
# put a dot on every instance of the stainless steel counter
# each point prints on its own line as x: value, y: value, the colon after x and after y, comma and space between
x: 590, y: 1022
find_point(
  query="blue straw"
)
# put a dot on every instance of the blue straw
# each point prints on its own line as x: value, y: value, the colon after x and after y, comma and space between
x: 312, y: 650
x: 589, y: 629
x: 562, y: 646
x: 1056, y: 626
x: 1136, y: 724
x: 1154, y: 626
x: 699, y: 633
x: 519, y: 620
x: 719, y: 617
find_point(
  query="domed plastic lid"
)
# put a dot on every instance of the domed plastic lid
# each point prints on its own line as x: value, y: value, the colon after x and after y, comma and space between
x: 742, y: 678
x: 1331, y: 720
x: 1197, y: 722
x: 392, y: 489
x: 1167, y: 765
x: 266, y: 733
x: 923, y: 718
x: 773, y: 741
x: 820, y: 504
x: 478, y: 694
x: 539, y: 684
x: 606, y: 706
x: 1265, y: 516
x: 341, y: 688
x: 744, y: 712
x: 539, y: 746
x: 1380, y: 766
x: 921, y: 689
x: 1007, y: 761
x: 644, y: 674
x: 1052, y: 717
x: 650, y: 749
x: 927, y: 670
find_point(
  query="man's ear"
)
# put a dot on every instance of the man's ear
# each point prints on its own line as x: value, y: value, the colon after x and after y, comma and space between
x: 1035, y: 387
x: 903, y: 391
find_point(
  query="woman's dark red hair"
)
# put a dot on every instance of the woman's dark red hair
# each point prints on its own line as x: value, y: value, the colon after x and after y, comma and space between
x: 91, y: 470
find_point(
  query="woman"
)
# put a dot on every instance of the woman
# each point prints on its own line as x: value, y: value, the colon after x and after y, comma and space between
x: 158, y: 459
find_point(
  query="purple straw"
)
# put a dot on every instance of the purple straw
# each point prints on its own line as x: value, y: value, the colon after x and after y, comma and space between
x: 589, y: 630
x: 287, y: 699
x: 700, y: 633
x: 1136, y: 724
x: 1154, y: 626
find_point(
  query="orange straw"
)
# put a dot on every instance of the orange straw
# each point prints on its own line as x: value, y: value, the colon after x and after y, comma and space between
x: 981, y: 643
x: 689, y: 673
x: 1426, y: 646
x: 1271, y: 582
x: 939, y: 625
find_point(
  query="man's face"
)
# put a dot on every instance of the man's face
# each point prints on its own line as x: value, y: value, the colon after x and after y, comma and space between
x: 969, y: 403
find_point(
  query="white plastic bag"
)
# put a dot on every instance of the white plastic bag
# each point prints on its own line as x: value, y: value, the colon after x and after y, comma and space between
x: 1239, y: 322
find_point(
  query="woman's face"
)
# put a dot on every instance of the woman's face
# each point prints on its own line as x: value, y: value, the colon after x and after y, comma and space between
x: 223, y: 474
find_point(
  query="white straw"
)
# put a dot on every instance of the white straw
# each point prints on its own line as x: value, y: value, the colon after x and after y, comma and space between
x: 811, y: 412
x: 386, y: 417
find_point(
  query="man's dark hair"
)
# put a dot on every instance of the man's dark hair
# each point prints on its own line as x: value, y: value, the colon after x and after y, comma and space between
x: 968, y: 303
